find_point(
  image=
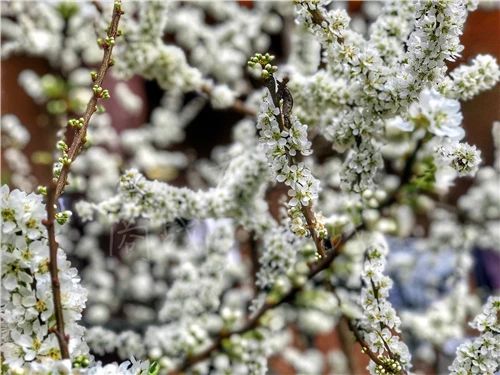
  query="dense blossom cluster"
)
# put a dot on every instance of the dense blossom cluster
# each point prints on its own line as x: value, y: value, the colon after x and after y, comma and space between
x: 281, y: 146
x: 160, y: 203
x: 279, y: 256
x: 466, y: 82
x: 27, y: 309
x: 381, y: 325
x: 328, y: 26
x: 462, y: 157
x: 207, y: 265
x: 481, y: 356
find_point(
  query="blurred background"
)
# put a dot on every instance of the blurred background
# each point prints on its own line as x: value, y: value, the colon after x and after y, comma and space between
x: 212, y: 127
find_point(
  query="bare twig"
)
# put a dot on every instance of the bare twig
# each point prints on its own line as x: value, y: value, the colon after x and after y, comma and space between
x: 57, y: 185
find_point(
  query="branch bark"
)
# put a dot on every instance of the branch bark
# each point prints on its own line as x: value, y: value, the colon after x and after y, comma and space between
x: 57, y: 185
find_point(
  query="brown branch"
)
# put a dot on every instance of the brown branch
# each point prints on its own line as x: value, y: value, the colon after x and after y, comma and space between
x: 406, y: 175
x: 62, y: 338
x: 364, y: 345
x: 97, y: 5
x: 57, y: 185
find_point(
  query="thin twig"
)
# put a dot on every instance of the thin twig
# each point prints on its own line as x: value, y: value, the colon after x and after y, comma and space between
x: 406, y: 174
x: 79, y: 139
x: 62, y: 338
x: 98, y: 6
x: 57, y: 185
x: 364, y: 345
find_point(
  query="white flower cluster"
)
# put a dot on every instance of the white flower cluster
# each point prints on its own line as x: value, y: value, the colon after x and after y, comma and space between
x: 278, y: 256
x: 281, y: 147
x: 217, y: 47
x: 381, y: 322
x: 182, y: 300
x: 145, y: 53
x: 361, y: 166
x: 328, y: 26
x: 439, y: 115
x: 317, y: 98
x: 60, y: 34
x: 438, y: 26
x: 481, y: 356
x: 129, y: 367
x: 221, y: 97
x: 462, y: 157
x: 27, y: 308
x: 14, y: 134
x: 391, y: 28
x: 443, y: 320
x: 465, y: 82
x: 162, y: 203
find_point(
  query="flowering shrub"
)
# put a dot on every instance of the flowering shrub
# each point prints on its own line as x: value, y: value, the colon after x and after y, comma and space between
x: 308, y: 221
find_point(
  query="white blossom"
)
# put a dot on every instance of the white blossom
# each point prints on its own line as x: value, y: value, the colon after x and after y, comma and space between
x: 481, y: 355
x: 462, y: 157
x: 27, y: 309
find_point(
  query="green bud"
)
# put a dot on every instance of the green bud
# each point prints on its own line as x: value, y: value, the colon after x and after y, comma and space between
x: 117, y: 7
x: 61, y: 145
x: 154, y: 368
x: 62, y: 218
x: 42, y: 190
